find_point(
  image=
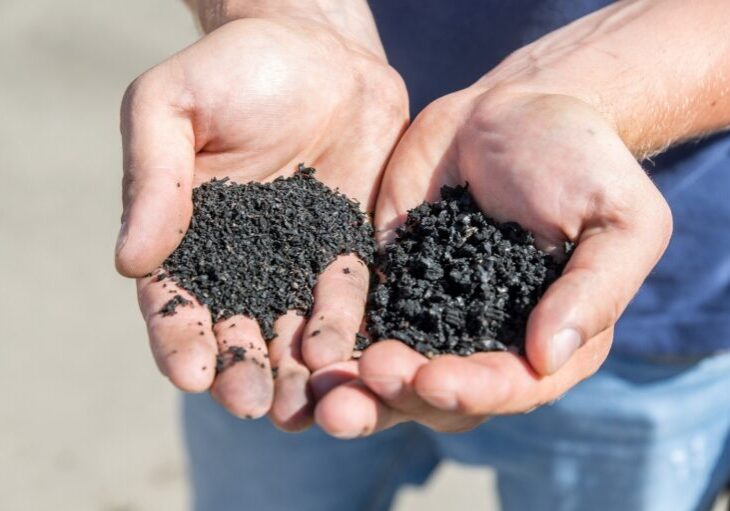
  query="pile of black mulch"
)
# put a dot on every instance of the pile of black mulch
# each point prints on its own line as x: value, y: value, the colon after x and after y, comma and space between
x: 257, y: 249
x: 456, y: 281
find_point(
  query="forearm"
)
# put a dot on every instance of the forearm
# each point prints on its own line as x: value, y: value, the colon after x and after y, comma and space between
x: 351, y: 19
x: 659, y: 70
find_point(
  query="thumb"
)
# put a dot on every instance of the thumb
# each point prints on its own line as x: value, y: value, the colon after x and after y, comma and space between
x: 159, y: 158
x: 417, y: 169
x: 603, y: 274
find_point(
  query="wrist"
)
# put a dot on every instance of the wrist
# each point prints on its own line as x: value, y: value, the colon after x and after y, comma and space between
x: 655, y: 82
x: 351, y: 20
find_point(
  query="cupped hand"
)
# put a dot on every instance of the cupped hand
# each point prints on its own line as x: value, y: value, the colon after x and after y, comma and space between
x: 557, y: 167
x: 250, y: 101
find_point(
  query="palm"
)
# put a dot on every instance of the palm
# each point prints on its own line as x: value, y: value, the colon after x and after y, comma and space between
x: 274, y: 95
x: 256, y: 98
x: 553, y: 165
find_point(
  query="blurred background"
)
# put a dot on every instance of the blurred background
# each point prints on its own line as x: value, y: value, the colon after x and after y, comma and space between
x: 86, y: 422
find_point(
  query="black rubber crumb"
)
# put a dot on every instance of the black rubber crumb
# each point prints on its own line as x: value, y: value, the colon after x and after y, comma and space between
x: 232, y: 325
x: 257, y: 248
x: 361, y: 342
x: 229, y: 357
x: 315, y: 333
x: 274, y: 372
x: 457, y: 281
x: 346, y: 271
x: 170, y: 308
x: 200, y: 323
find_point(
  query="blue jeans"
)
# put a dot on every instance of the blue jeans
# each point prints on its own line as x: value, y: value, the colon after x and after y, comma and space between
x: 638, y: 435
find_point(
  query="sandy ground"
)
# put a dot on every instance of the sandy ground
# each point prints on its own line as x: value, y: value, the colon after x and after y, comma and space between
x: 86, y: 422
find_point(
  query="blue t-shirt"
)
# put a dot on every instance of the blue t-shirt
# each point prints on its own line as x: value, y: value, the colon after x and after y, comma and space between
x: 441, y: 46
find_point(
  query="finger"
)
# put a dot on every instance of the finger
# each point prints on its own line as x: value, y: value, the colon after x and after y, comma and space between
x: 603, y: 274
x: 352, y: 410
x: 348, y: 408
x: 419, y: 167
x: 243, y: 385
x: 292, y: 406
x: 502, y: 383
x: 181, y: 338
x: 159, y: 155
x: 339, y: 307
x: 389, y: 368
x: 327, y: 378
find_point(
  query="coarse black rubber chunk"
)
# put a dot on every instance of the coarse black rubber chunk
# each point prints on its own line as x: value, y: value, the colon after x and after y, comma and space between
x: 456, y: 281
x: 257, y: 249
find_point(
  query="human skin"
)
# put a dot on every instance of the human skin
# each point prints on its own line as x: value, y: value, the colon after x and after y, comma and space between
x: 550, y: 139
x: 271, y: 85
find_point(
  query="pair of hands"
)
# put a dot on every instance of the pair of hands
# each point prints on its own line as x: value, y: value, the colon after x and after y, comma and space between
x: 254, y: 98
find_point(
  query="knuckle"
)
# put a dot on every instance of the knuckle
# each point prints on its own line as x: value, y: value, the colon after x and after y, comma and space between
x: 663, y: 217
x: 394, y: 89
x: 605, y: 312
x: 445, y: 107
x: 138, y: 89
x: 615, y: 209
x: 383, y: 90
x: 354, y: 283
x: 162, y: 84
x: 349, y: 290
x: 155, y: 321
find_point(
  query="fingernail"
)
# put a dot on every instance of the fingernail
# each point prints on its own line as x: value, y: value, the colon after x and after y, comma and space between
x: 562, y: 347
x: 121, y: 238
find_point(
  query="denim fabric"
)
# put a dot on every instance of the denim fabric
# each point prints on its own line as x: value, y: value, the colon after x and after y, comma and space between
x: 638, y: 435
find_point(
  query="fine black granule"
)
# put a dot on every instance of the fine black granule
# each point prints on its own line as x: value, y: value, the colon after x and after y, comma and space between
x: 257, y: 249
x: 457, y: 281
x: 229, y: 357
x: 170, y: 308
x: 361, y: 342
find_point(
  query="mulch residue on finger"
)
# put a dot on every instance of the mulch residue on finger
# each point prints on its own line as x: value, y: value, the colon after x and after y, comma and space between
x: 257, y: 249
x: 456, y: 281
x: 228, y: 357
x: 170, y: 308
